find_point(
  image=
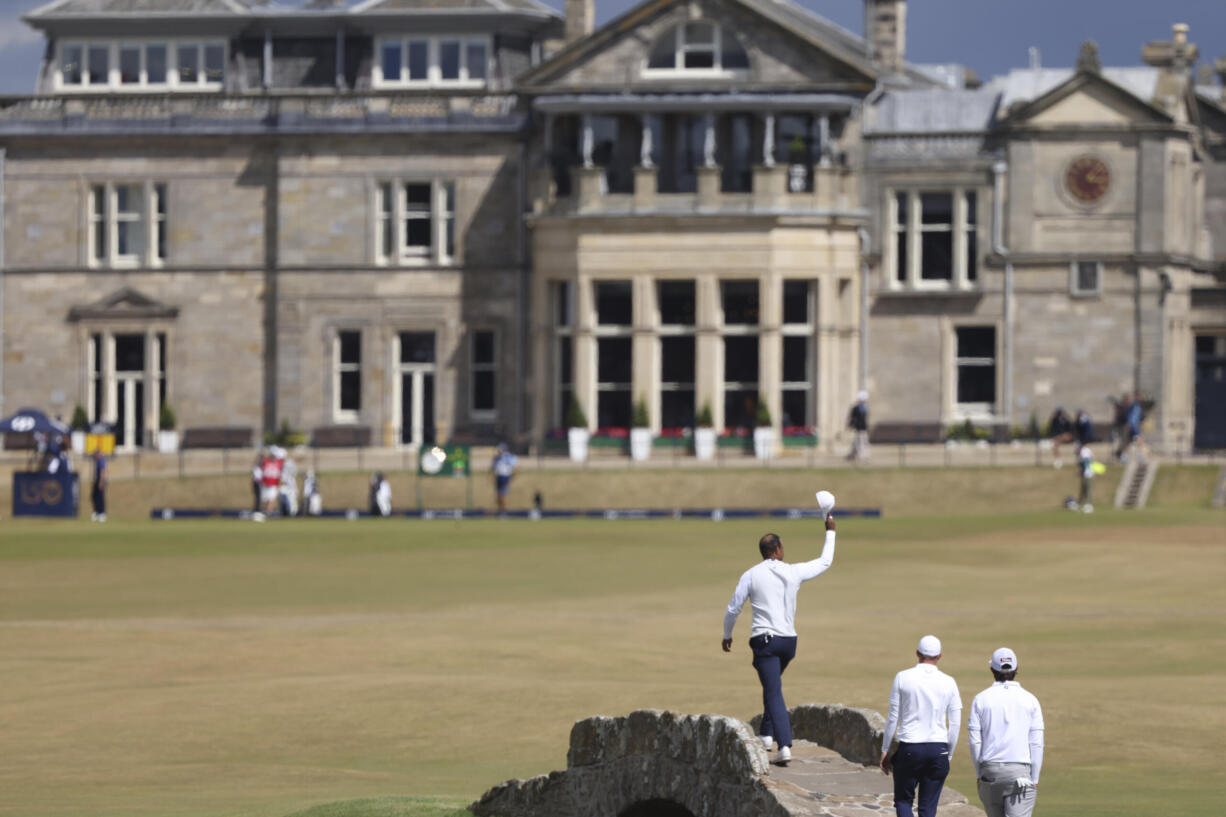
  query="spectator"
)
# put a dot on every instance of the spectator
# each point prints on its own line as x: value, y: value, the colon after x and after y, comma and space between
x: 289, y: 487
x: 270, y: 476
x: 1060, y: 430
x: 857, y: 421
x: 310, y: 492
x: 1083, y: 428
x: 1119, y: 425
x: 380, y: 495
x: 1085, y: 463
x: 503, y: 468
x: 1134, y: 442
x: 257, y: 482
x: 97, y: 494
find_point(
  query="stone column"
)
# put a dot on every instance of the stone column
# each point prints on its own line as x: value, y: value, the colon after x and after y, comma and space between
x: 543, y: 385
x: 584, y: 350
x: 645, y: 375
x: 708, y: 349
x: 770, y: 345
x: 110, y: 383
x: 153, y: 411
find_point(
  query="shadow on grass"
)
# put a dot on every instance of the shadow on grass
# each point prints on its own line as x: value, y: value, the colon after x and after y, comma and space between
x: 386, y: 807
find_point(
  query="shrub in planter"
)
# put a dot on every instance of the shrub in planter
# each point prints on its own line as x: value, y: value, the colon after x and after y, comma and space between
x: 79, y: 424
x: 576, y: 431
x: 640, y: 434
x: 168, y: 438
x: 764, y: 434
x: 704, y: 435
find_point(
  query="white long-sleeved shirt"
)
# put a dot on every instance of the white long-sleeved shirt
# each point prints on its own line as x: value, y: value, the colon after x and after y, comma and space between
x: 925, y: 707
x: 1006, y: 726
x: 770, y: 586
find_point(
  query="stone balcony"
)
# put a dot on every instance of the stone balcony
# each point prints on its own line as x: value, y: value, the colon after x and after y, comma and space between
x: 835, y: 194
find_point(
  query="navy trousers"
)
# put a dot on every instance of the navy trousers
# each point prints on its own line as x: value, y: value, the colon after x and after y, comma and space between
x: 771, y: 656
x: 925, y: 765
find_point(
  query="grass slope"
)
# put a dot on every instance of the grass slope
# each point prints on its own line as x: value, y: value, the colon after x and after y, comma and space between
x: 226, y: 668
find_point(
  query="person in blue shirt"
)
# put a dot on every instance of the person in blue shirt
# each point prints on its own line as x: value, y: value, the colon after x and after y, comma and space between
x: 97, y: 494
x: 504, y: 468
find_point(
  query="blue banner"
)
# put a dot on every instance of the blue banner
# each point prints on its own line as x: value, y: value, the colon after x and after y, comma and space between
x: 45, y: 494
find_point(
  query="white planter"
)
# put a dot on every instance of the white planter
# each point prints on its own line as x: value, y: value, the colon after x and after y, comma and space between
x: 576, y: 439
x: 704, y: 443
x: 640, y: 443
x: 763, y: 442
x: 78, y: 442
x: 168, y: 442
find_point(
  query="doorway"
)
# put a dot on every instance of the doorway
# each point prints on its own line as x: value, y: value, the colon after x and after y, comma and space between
x: 131, y: 409
x: 1210, y: 392
x: 416, y: 371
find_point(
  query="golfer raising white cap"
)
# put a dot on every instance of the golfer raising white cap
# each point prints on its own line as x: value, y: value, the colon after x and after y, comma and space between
x: 770, y: 586
x: 925, y: 712
x: 1005, y: 735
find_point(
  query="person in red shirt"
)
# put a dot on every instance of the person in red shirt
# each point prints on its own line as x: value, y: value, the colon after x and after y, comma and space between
x: 270, y: 480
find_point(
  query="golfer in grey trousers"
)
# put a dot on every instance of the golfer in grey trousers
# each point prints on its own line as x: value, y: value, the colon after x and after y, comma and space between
x: 1005, y: 735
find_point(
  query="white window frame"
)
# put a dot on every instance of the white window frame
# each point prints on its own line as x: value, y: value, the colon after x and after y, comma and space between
x: 149, y: 195
x: 339, y: 414
x: 1074, y: 284
x: 984, y: 412
x: 434, y: 73
x: 115, y: 48
x: 681, y: 48
x: 476, y: 367
x: 441, y: 216
x: 912, y: 233
x: 805, y: 330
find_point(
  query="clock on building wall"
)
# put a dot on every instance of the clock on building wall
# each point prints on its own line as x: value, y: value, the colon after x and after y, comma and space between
x: 1087, y: 179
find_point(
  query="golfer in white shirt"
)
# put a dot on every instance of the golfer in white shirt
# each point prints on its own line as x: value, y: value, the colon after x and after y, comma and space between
x: 925, y: 713
x: 771, y: 586
x: 1005, y: 735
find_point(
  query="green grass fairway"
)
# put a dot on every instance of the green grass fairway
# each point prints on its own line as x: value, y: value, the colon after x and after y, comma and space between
x: 228, y: 668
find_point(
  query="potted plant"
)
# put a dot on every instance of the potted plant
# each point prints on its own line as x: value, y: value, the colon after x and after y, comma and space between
x: 168, y: 438
x: 704, y: 434
x: 763, y: 433
x: 576, y: 431
x: 640, y: 432
x: 80, y: 422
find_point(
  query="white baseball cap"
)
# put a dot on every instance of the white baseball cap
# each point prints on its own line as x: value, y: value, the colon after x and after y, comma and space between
x: 929, y: 646
x: 1004, y: 660
x: 862, y: 396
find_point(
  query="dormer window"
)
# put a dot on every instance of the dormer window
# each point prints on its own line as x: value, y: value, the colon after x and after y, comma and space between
x: 133, y: 65
x: 697, y: 47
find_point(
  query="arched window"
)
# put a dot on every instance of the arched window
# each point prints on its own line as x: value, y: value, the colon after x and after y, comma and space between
x: 700, y: 46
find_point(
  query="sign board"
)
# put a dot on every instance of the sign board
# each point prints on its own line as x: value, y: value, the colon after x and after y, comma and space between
x: 443, y: 461
x: 104, y: 443
x: 45, y: 494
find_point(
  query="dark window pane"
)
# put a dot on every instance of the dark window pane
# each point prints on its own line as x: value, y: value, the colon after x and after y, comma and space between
x: 483, y: 347
x: 189, y: 63
x: 734, y: 57
x: 936, y: 256
x: 677, y: 409
x: 476, y: 60
x: 162, y: 353
x: 351, y: 346
x: 214, y: 63
x: 417, y: 198
x: 740, y: 300
x: 565, y: 365
x: 740, y: 408
x: 936, y: 208
x: 351, y: 391
x: 70, y: 65
x: 99, y: 64
x: 700, y: 59
x: 795, y: 359
x: 677, y: 360
x: 901, y: 199
x: 972, y: 208
x: 614, y: 364
x: 976, y: 341
x: 129, y: 64
x: 417, y: 232
x: 449, y: 59
x: 416, y: 347
x: 664, y: 52
x: 419, y: 59
x: 129, y: 353
x: 613, y: 409
x: 900, y: 254
x: 741, y: 359
x: 614, y: 303
x: 972, y: 256
x: 676, y: 302
x: 796, y: 301
x: 562, y: 303
x: 976, y: 384
x: 795, y: 407
x: 1087, y: 276
x: 483, y: 391
x: 390, y: 61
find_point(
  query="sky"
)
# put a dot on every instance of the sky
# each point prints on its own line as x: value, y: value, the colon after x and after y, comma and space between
x: 988, y: 36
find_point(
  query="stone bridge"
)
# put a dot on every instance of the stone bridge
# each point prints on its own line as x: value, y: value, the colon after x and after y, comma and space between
x: 653, y: 763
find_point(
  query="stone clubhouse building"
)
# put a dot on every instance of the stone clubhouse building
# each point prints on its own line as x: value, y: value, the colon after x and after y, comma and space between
x: 392, y: 222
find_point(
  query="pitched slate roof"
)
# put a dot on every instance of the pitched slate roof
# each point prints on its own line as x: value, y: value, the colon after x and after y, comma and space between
x: 409, y: 6
x: 89, y: 8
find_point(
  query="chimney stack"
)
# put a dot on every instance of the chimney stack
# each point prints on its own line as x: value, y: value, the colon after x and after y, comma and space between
x: 580, y: 19
x: 885, y: 32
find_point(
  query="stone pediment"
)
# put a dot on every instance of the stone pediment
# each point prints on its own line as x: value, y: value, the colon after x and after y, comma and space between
x: 123, y: 304
x: 1087, y: 98
x: 785, y: 47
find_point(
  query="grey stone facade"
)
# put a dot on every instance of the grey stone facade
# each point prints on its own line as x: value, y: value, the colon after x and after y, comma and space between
x: 279, y: 189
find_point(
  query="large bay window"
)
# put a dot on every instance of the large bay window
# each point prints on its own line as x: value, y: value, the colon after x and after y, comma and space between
x: 676, y: 303
x: 127, y: 224
x: 614, y: 352
x: 932, y: 239
x: 415, y: 222
x: 437, y: 60
x: 740, y: 302
x: 798, y: 352
x: 189, y: 65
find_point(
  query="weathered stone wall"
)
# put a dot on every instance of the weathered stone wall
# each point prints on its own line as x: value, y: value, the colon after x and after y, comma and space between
x: 852, y: 732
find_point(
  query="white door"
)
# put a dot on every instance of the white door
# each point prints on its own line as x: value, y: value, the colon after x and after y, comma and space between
x: 414, y: 388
